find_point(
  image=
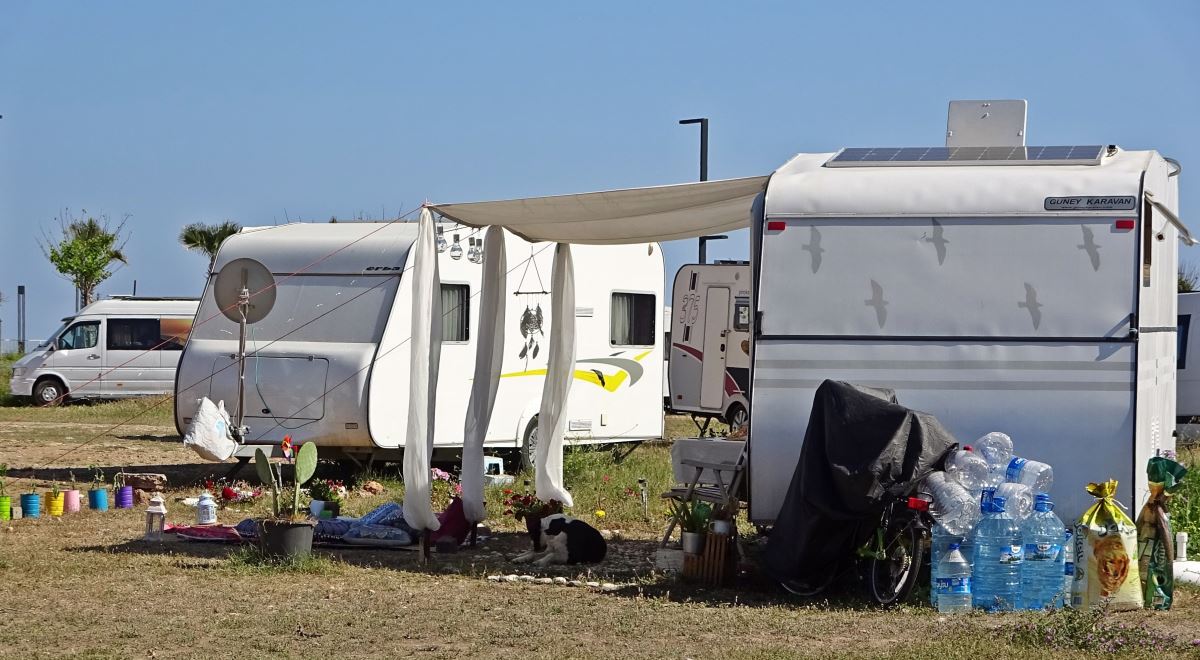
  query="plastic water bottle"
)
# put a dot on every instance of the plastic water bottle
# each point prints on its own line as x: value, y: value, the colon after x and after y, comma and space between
x: 939, y: 545
x: 1043, y: 568
x: 1035, y: 474
x: 967, y: 468
x: 953, y: 506
x: 1018, y: 500
x: 996, y: 572
x: 953, y: 583
x: 1068, y: 567
x: 996, y: 448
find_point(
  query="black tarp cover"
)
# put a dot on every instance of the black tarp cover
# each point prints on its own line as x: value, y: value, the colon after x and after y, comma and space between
x: 861, y: 449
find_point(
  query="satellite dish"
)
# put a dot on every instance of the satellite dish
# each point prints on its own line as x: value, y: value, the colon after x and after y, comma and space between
x: 250, y: 275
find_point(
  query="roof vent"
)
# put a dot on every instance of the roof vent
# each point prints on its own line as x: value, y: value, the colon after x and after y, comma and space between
x: 986, y: 124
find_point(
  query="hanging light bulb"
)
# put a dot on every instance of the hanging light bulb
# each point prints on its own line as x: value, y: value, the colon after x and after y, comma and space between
x: 441, y: 241
x: 456, y: 250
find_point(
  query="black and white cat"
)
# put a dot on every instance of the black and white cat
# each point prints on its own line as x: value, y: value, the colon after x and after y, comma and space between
x: 567, y: 541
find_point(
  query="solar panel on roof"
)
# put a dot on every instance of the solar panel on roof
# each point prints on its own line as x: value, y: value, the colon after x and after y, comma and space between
x: 913, y: 156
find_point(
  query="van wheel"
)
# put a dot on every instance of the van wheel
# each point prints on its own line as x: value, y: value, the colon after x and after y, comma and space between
x: 48, y: 392
x: 736, y: 417
x: 529, y: 445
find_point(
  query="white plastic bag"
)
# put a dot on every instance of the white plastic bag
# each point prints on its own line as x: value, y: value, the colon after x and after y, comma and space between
x: 209, y: 434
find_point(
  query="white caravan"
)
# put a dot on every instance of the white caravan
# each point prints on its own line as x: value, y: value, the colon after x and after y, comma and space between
x: 114, y: 348
x: 1187, y: 413
x: 329, y: 362
x: 710, y: 335
x: 1030, y: 290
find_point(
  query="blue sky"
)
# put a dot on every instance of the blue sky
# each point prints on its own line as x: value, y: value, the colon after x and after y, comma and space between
x: 260, y: 112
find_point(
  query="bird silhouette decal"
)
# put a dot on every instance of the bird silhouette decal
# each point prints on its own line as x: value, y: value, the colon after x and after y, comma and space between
x: 876, y: 300
x: 814, y: 248
x: 1031, y: 303
x: 938, y: 240
x: 1089, y: 246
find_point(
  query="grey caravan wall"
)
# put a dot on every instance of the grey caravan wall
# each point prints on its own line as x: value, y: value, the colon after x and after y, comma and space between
x: 955, y: 287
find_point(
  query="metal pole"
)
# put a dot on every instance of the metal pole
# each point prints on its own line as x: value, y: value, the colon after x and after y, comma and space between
x: 703, y: 121
x: 21, y: 319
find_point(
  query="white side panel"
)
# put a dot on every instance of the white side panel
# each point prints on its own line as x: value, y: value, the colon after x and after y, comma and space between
x: 938, y: 277
x: 1066, y: 404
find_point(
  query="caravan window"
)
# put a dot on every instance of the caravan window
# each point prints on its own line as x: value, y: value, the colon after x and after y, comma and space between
x: 81, y: 335
x: 456, y: 312
x: 1181, y: 338
x: 632, y: 319
x: 741, y: 316
x: 132, y: 334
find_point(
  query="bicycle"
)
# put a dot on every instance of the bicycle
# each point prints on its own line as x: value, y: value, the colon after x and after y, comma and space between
x: 889, y: 559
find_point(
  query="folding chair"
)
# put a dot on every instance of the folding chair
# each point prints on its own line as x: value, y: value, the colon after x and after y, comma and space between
x: 722, y: 488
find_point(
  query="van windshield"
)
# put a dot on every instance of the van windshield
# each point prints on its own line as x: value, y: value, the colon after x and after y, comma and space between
x: 326, y: 308
x: 54, y: 335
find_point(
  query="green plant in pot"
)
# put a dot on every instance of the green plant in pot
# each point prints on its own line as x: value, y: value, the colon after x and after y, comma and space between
x: 289, y: 532
x: 5, y: 498
x: 692, y: 518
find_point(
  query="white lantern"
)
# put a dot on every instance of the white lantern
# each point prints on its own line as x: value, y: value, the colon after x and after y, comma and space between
x: 206, y: 510
x: 156, y: 518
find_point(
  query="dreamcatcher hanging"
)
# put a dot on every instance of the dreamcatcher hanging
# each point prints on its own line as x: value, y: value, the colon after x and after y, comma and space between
x: 532, y: 320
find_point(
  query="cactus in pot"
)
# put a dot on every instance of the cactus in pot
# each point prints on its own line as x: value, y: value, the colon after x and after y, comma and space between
x: 305, y: 464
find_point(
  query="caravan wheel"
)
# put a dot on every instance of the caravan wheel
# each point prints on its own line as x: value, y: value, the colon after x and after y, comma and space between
x: 736, y: 417
x: 529, y: 444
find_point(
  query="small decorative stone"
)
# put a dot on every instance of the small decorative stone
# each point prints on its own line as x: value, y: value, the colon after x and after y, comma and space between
x: 560, y: 580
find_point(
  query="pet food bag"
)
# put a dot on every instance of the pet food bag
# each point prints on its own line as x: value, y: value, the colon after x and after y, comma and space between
x: 1106, y: 570
x: 209, y: 434
x: 1156, y: 551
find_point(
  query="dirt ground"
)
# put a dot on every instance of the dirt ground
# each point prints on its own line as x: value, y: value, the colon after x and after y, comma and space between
x: 87, y: 586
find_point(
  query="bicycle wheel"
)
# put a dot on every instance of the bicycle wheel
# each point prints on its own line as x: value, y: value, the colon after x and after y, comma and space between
x: 891, y: 579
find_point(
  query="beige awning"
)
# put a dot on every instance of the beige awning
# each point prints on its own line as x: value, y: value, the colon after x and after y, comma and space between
x: 633, y: 215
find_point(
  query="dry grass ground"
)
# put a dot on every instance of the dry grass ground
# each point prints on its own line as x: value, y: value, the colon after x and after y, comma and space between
x: 86, y: 586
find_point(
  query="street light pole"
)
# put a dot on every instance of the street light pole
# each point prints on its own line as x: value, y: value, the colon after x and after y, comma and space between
x: 703, y: 121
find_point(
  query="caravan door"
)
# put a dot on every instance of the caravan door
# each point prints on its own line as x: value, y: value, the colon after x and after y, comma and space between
x: 716, y: 327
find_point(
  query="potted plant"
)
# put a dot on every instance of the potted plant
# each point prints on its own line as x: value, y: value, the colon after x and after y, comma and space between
x: 97, y: 494
x: 122, y: 494
x: 529, y: 508
x: 288, y: 533
x: 329, y: 493
x: 5, y: 498
x: 692, y: 518
x: 54, y: 501
x: 71, y: 495
x: 722, y: 521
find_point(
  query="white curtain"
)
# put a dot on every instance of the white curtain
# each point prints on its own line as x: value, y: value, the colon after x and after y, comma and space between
x: 426, y: 349
x: 489, y: 356
x: 560, y: 372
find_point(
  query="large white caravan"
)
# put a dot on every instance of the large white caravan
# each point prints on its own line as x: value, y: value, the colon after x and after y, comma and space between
x: 329, y: 362
x: 710, y: 341
x: 1029, y: 290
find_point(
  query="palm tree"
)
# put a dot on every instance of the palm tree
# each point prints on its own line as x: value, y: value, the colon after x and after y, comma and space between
x: 207, y: 238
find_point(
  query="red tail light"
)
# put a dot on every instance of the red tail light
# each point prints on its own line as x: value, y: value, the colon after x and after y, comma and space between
x: 918, y: 504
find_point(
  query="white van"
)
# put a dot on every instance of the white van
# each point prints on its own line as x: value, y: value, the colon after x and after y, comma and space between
x: 119, y: 347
